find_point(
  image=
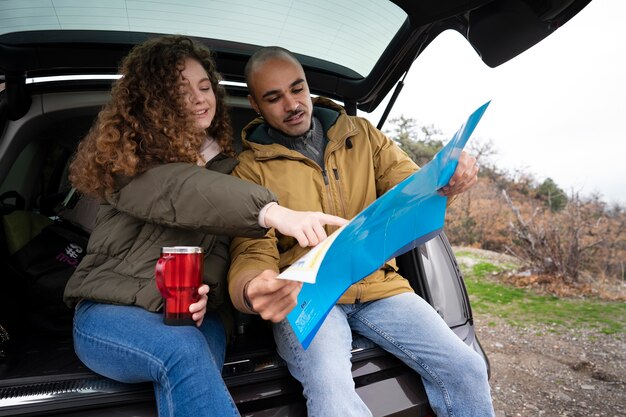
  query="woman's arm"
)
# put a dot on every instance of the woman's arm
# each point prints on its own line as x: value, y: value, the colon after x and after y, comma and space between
x: 192, y: 197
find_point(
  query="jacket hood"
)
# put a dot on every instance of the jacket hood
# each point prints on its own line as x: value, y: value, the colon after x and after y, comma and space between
x: 326, y: 110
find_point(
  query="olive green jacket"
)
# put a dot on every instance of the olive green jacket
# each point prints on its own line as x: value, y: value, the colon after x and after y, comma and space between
x: 168, y: 205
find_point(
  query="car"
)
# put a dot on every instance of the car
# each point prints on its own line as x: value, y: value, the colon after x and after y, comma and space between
x: 58, y: 60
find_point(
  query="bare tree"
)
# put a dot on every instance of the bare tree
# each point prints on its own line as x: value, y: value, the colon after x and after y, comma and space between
x: 562, y: 244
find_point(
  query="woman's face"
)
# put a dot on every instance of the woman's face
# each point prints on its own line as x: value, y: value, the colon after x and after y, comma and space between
x: 198, y: 91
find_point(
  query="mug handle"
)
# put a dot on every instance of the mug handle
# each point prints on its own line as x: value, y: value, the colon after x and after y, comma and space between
x: 159, y: 272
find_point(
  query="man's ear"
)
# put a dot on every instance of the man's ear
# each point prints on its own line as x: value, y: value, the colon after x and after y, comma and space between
x: 252, y: 102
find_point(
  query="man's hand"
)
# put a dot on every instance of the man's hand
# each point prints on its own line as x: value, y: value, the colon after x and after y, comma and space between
x: 306, y: 226
x: 270, y: 297
x: 465, y: 176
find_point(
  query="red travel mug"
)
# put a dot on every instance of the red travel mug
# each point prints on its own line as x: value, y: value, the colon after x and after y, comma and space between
x: 178, y: 276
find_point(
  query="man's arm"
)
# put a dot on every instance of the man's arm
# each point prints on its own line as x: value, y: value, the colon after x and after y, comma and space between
x: 270, y: 297
x: 250, y: 257
x: 252, y: 281
x: 393, y: 165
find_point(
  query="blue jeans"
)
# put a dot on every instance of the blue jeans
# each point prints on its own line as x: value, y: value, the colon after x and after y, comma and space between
x: 454, y: 375
x: 130, y: 344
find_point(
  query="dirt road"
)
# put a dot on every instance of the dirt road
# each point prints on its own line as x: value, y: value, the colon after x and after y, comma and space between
x: 549, y: 372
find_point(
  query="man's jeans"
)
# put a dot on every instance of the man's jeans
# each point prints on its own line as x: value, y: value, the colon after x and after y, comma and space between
x: 130, y: 344
x: 455, y: 376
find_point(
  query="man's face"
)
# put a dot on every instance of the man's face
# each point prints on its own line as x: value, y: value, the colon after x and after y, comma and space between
x: 280, y: 93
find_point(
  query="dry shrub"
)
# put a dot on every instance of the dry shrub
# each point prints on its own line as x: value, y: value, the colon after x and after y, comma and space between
x: 609, y: 290
x: 582, y: 246
x: 479, y: 218
x: 583, y: 238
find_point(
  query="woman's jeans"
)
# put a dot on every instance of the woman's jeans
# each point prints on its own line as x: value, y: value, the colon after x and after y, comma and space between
x: 454, y: 375
x: 131, y: 344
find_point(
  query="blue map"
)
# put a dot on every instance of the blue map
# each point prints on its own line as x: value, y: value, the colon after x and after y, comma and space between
x: 405, y: 217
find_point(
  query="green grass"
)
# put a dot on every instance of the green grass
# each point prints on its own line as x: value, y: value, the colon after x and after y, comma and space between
x: 521, y: 307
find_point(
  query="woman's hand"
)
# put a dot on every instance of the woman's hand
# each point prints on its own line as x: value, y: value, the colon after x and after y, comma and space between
x: 306, y: 226
x: 198, y: 309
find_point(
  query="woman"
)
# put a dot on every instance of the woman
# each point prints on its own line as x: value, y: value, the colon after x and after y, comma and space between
x: 157, y: 158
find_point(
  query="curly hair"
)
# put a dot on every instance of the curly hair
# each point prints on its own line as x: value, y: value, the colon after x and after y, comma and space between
x: 146, y: 122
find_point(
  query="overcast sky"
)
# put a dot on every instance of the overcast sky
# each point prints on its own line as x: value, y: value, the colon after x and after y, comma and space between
x: 558, y: 110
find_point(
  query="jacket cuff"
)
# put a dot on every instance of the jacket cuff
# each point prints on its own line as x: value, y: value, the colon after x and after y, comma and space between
x: 236, y: 289
x: 246, y: 300
x: 262, y: 214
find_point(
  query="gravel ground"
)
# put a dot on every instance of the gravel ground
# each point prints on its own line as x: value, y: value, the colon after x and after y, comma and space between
x: 541, y: 372
x: 550, y: 372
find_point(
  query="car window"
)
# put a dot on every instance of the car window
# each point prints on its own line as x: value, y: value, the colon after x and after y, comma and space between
x: 352, y: 33
x: 4, y: 107
x: 42, y: 188
x: 18, y: 179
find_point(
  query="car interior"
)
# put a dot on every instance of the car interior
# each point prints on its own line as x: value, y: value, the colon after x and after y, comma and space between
x: 34, y: 192
x: 42, y: 217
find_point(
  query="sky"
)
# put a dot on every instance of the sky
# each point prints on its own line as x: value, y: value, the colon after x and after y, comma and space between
x: 557, y: 110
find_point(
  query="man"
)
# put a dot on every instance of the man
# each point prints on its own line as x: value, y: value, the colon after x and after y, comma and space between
x: 315, y: 157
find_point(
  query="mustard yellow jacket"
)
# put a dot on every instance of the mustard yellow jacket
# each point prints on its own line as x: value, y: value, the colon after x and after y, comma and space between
x: 361, y: 164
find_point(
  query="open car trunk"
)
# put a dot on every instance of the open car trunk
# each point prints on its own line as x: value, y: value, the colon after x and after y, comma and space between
x: 42, y: 119
x: 39, y: 372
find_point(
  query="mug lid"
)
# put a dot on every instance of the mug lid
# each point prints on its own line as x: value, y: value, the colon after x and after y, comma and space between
x: 181, y: 249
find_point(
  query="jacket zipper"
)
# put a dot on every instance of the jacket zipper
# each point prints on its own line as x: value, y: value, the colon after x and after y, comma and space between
x: 329, y: 195
x: 340, y: 188
x: 306, y: 160
x: 211, y: 245
x: 309, y: 162
x: 359, y: 286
